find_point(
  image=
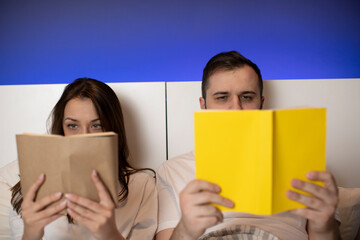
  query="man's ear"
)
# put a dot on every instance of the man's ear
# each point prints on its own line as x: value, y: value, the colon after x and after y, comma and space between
x: 262, y: 102
x: 202, y: 103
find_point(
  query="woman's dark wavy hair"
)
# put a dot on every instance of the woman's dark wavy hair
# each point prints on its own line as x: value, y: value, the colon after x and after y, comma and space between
x: 110, y: 114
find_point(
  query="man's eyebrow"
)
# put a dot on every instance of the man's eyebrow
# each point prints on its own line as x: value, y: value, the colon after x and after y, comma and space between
x: 248, y: 92
x: 220, y: 93
x: 225, y: 92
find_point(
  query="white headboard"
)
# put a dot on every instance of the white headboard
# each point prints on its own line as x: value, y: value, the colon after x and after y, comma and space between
x: 157, y: 129
x: 341, y: 97
x: 25, y: 108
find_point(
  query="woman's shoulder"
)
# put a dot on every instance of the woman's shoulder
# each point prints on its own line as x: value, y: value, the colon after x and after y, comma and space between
x: 141, y: 186
x: 142, y: 177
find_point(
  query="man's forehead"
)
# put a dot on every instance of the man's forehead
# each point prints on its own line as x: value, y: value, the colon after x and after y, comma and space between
x: 236, y: 80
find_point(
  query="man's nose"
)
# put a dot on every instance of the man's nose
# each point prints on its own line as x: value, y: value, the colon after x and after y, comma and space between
x: 236, y: 104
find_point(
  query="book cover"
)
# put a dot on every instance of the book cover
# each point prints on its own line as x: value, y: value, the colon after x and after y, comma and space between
x: 254, y: 154
x: 68, y: 163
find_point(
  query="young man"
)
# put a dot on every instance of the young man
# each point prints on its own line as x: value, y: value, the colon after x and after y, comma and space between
x: 230, y: 81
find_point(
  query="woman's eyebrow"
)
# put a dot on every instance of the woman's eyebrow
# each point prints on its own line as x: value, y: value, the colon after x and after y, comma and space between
x: 71, y: 119
x: 96, y: 119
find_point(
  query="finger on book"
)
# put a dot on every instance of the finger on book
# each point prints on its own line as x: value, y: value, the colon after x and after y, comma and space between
x: 53, y: 210
x: 84, y: 202
x: 309, y: 201
x: 82, y: 211
x: 324, y: 176
x: 209, y: 197
x: 34, y: 188
x: 78, y: 217
x: 103, y: 192
x: 201, y: 185
x: 46, y: 201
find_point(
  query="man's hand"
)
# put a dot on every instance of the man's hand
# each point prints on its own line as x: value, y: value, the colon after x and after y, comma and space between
x: 321, y: 205
x: 197, y: 214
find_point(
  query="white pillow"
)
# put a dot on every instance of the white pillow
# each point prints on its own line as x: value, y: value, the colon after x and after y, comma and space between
x: 10, y: 173
x: 9, y: 176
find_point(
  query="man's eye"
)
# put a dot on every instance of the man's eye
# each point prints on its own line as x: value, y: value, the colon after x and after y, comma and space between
x: 72, y: 126
x: 221, y: 98
x: 247, y: 98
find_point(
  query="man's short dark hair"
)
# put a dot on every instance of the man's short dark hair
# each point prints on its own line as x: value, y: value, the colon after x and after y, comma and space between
x: 226, y: 61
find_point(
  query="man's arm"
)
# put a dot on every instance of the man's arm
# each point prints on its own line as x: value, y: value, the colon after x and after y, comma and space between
x: 321, y: 205
x: 196, y: 213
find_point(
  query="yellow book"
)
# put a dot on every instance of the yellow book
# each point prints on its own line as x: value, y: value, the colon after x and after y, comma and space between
x: 253, y: 154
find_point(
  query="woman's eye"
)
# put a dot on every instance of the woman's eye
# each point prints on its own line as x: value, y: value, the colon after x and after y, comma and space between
x: 96, y: 126
x: 72, y: 126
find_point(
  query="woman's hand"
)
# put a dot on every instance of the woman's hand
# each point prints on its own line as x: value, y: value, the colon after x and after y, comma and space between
x: 36, y: 214
x: 99, y: 218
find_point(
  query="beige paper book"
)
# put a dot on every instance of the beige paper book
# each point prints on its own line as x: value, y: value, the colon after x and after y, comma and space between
x: 68, y: 163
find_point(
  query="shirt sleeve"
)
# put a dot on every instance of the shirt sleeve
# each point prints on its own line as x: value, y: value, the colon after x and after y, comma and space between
x: 147, y: 216
x: 169, y: 211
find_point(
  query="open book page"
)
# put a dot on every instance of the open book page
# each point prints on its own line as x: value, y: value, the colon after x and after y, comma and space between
x: 68, y: 163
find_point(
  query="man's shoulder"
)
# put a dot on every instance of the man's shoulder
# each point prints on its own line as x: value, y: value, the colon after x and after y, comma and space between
x: 182, y: 165
x: 186, y: 157
x: 183, y: 160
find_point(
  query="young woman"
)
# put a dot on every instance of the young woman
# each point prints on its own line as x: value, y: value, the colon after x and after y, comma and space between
x: 89, y: 106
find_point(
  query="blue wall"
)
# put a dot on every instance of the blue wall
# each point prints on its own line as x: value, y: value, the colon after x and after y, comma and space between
x: 49, y: 41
